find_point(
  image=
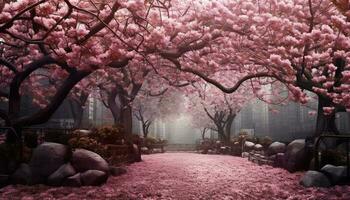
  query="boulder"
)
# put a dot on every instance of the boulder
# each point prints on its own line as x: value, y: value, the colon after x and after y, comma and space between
x: 279, y: 160
x: 72, y: 181
x: 22, y: 175
x: 315, y: 179
x: 249, y: 145
x: 83, y: 132
x: 273, y: 157
x: 336, y: 174
x: 275, y: 148
x: 117, y: 171
x: 136, y: 153
x: 312, y: 164
x: 46, y: 159
x: 245, y: 154
x: 296, y: 156
x: 258, y: 147
x: 93, y: 177
x: 83, y: 160
x: 60, y: 174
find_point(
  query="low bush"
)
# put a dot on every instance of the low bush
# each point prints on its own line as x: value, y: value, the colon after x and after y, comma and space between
x: 99, y: 140
x: 109, y: 134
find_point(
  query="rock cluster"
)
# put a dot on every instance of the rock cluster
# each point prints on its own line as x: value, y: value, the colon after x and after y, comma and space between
x: 329, y: 175
x: 54, y: 164
x: 293, y: 157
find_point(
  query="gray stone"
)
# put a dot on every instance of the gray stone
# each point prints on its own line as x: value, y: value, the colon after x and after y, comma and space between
x: 60, y: 174
x: 315, y: 179
x: 258, y: 147
x: 279, y: 160
x: 22, y: 175
x: 117, y: 171
x: 144, y: 150
x: 296, y: 156
x: 93, y: 177
x: 72, y: 181
x: 83, y: 160
x: 245, y: 154
x: 275, y: 148
x: 336, y: 174
x: 46, y: 159
x: 83, y: 132
x: 273, y: 157
x: 249, y: 145
x: 136, y: 153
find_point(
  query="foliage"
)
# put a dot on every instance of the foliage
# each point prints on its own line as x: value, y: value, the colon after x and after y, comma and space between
x: 265, y: 141
x: 109, y: 134
x: 84, y: 142
x: 152, y: 140
x: 98, y: 140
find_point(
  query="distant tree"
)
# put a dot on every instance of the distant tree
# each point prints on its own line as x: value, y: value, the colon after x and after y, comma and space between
x: 221, y: 109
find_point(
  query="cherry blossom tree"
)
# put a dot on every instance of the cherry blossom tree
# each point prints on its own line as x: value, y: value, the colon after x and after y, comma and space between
x: 118, y: 95
x: 221, y: 109
x: 146, y: 109
x: 63, y: 41
x: 302, y: 44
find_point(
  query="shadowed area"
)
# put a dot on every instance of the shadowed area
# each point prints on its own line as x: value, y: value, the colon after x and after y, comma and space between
x: 189, y: 176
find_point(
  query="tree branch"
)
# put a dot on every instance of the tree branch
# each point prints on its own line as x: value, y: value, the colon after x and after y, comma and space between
x: 8, y: 65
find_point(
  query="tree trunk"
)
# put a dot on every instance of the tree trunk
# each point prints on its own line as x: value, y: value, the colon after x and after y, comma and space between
x: 145, y: 127
x: 113, y: 107
x: 221, y: 134
x: 145, y: 133
x: 77, y: 112
x: 44, y: 114
x: 203, y: 133
x: 325, y: 123
x: 228, y: 126
x: 126, y: 119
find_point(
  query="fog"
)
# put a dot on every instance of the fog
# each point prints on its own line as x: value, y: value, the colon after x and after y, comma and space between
x: 291, y: 122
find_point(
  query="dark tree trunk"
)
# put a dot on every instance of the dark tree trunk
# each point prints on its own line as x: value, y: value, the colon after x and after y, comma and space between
x: 145, y: 133
x: 126, y: 119
x: 113, y: 107
x: 221, y: 134
x: 44, y: 114
x: 77, y: 112
x: 203, y: 133
x: 228, y: 126
x: 145, y: 128
x: 325, y: 123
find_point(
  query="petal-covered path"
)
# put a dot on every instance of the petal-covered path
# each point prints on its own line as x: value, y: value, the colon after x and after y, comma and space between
x: 188, y: 176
